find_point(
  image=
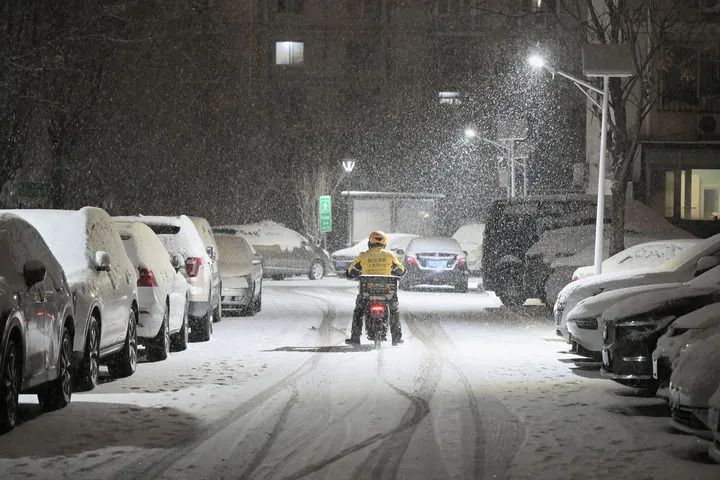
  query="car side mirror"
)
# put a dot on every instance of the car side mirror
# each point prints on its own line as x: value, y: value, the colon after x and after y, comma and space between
x: 465, y: 253
x: 34, y: 272
x: 211, y: 252
x: 706, y: 263
x: 102, y: 261
x: 177, y: 261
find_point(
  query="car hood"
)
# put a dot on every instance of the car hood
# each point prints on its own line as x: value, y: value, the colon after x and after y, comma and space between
x: 697, y: 375
x: 654, y: 300
x: 595, y: 306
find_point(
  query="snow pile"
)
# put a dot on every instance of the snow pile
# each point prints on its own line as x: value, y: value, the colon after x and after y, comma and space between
x: 697, y: 375
x: 236, y: 255
x: 396, y: 241
x: 266, y: 233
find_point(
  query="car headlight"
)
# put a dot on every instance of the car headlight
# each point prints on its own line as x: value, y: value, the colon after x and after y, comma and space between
x: 587, y: 323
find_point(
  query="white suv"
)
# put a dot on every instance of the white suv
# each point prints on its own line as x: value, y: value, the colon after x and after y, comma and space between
x: 180, y: 236
x: 103, y: 282
x: 206, y: 233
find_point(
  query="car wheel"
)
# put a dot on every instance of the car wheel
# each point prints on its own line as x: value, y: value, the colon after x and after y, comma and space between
x: 277, y: 277
x: 179, y: 340
x: 90, y: 365
x: 317, y: 270
x: 56, y: 394
x: 10, y: 387
x: 125, y: 362
x: 201, y: 333
x: 159, y: 347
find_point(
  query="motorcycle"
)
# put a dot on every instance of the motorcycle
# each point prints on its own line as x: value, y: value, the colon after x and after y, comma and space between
x: 378, y: 291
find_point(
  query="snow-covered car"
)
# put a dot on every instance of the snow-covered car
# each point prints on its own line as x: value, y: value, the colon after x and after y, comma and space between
x: 683, y: 267
x: 242, y: 272
x: 632, y: 327
x: 285, y: 252
x: 162, y: 292
x: 180, y: 236
x: 103, y: 282
x: 693, y: 383
x: 470, y: 237
x: 206, y: 233
x: 397, y: 243
x: 435, y: 261
x: 643, y: 255
x: 36, y: 322
x: 684, y: 332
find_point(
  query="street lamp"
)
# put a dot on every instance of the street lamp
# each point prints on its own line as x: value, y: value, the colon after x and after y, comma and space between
x: 599, y: 60
x: 348, y: 165
x: 508, y: 150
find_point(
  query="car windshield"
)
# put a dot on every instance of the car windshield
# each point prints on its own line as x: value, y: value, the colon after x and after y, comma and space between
x: 690, y: 255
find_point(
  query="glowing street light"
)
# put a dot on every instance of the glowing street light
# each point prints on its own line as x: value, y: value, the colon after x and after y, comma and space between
x: 470, y: 133
x: 604, y: 61
x: 348, y: 165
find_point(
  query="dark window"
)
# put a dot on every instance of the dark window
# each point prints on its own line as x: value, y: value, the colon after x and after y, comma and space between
x: 690, y: 78
x: 290, y: 6
x: 165, y: 229
x: 357, y: 55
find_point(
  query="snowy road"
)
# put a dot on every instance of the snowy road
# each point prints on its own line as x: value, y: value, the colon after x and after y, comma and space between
x: 476, y: 391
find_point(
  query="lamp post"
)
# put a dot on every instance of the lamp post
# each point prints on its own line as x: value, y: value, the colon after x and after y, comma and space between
x: 507, y: 146
x: 599, y: 60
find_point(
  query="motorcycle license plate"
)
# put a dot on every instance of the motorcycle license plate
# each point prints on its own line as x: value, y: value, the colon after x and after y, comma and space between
x: 606, y: 358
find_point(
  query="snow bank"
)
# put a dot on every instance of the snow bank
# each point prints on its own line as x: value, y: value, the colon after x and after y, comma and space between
x: 267, y: 233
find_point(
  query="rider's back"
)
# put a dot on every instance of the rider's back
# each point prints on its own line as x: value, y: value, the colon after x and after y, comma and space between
x: 376, y: 261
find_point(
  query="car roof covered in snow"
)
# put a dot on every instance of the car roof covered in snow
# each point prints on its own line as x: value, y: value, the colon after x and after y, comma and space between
x: 185, y: 240
x: 265, y: 233
x: 434, y: 245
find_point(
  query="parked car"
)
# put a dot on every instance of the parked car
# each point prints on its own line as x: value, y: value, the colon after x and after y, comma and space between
x: 470, y: 237
x: 693, y: 383
x: 162, y: 292
x: 632, y: 327
x: 515, y: 225
x: 205, y: 231
x: 285, y: 252
x: 397, y: 243
x: 242, y: 271
x: 180, y: 236
x: 643, y: 255
x: 36, y: 322
x: 435, y: 261
x: 681, y: 268
x: 103, y: 282
x: 683, y: 333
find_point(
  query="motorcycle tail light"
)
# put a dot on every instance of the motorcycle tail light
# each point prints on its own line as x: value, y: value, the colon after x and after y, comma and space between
x: 377, y: 309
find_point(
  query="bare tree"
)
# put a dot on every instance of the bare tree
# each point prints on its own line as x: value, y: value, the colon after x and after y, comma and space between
x: 313, y: 180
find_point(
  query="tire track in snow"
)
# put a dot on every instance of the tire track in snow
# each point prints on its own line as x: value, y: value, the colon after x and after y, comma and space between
x: 156, y: 464
x: 490, y: 460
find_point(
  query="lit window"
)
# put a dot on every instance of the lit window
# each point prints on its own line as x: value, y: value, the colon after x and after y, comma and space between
x: 540, y: 5
x: 289, y: 53
x: 450, y: 98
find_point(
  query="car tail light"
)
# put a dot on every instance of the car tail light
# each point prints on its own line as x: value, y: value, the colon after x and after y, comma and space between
x: 192, y: 266
x: 461, y: 261
x: 411, y: 260
x: 147, y: 278
x: 377, y: 309
x: 575, y: 278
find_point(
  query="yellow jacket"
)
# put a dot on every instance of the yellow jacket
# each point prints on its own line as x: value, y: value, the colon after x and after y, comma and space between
x: 376, y: 261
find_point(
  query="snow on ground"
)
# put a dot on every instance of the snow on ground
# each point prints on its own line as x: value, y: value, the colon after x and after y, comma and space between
x: 476, y: 391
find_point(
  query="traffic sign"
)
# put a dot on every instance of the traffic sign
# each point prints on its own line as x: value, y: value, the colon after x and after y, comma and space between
x: 325, y: 213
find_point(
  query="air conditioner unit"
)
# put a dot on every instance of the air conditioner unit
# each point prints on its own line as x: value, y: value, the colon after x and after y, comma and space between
x: 708, y: 125
x: 709, y: 6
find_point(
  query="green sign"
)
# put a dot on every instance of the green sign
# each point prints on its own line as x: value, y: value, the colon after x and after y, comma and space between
x: 325, y: 212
